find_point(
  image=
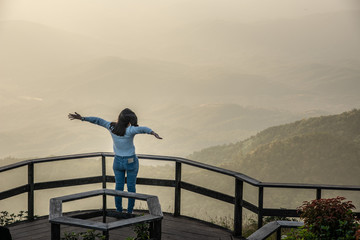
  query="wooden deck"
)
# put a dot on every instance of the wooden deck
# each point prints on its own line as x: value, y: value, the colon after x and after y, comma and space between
x: 172, y: 228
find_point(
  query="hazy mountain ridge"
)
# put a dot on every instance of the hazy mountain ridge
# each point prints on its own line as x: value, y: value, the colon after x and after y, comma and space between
x: 316, y: 150
x: 343, y: 125
x: 308, y: 158
x: 184, y: 128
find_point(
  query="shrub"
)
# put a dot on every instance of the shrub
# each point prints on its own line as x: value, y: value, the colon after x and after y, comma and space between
x: 327, y: 219
x: 302, y: 233
x: 142, y: 232
x: 92, y: 235
x: 70, y: 236
x: 89, y: 235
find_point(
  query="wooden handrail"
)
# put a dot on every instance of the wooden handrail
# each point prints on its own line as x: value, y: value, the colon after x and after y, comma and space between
x: 310, y: 186
x: 223, y: 171
x: 51, y: 159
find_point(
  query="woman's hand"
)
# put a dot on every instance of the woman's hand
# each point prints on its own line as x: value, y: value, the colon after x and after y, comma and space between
x: 156, y: 135
x: 75, y: 115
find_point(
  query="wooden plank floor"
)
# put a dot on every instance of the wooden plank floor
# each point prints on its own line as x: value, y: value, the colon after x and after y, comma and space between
x: 172, y: 228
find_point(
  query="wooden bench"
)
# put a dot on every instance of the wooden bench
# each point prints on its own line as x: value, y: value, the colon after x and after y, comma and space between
x: 154, y: 217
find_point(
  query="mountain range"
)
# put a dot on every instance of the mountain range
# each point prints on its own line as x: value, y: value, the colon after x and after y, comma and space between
x: 322, y: 150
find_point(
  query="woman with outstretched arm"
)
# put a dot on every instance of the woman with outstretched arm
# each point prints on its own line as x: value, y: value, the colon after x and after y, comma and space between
x: 125, y: 161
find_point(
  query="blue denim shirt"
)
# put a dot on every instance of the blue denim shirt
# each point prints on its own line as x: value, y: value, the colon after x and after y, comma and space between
x: 123, y: 145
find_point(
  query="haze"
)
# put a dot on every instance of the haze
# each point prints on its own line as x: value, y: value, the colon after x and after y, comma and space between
x: 200, y: 73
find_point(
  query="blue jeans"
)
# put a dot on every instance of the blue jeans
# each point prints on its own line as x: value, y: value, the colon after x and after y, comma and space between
x: 130, y: 165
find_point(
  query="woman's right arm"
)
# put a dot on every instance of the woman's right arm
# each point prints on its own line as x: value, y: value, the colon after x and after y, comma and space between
x: 136, y: 130
x: 94, y: 120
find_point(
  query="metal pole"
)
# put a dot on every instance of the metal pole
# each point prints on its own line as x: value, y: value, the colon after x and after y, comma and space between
x: 55, y: 231
x: 318, y: 193
x: 239, y: 188
x: 177, y: 189
x: 103, y: 170
x: 261, y: 206
x: 155, y: 230
x: 106, y: 235
x: 31, y: 191
x: 104, y: 210
x: 103, y: 164
x: 278, y: 234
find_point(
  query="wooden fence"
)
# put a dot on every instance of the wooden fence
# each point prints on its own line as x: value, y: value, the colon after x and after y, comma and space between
x: 237, y: 199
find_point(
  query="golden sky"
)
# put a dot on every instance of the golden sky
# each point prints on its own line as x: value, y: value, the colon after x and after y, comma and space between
x: 87, y: 16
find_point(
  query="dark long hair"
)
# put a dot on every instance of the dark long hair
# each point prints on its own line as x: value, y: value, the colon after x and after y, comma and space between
x: 125, y: 117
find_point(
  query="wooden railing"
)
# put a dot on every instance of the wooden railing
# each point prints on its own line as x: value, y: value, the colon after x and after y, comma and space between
x: 237, y: 199
x: 273, y: 227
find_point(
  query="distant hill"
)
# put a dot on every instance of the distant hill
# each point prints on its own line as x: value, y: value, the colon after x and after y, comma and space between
x: 315, y: 150
x: 185, y: 128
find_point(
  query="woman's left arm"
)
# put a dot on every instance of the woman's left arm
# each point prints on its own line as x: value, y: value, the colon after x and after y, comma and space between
x: 155, y: 135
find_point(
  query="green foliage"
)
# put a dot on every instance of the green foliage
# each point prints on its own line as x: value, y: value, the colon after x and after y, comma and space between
x: 142, y: 232
x: 70, y: 236
x: 88, y: 235
x: 92, y: 235
x: 6, y: 218
x: 328, y: 215
x: 327, y: 219
x: 302, y: 233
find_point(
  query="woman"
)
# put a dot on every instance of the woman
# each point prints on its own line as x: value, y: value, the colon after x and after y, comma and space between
x: 122, y: 133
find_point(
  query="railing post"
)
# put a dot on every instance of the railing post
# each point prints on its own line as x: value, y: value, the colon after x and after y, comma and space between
x: 155, y: 230
x: 103, y: 166
x: 104, y: 210
x: 261, y: 206
x: 177, y: 189
x: 31, y: 191
x: 278, y: 234
x: 103, y: 170
x: 106, y: 235
x: 239, y: 188
x: 55, y: 231
x: 318, y: 193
